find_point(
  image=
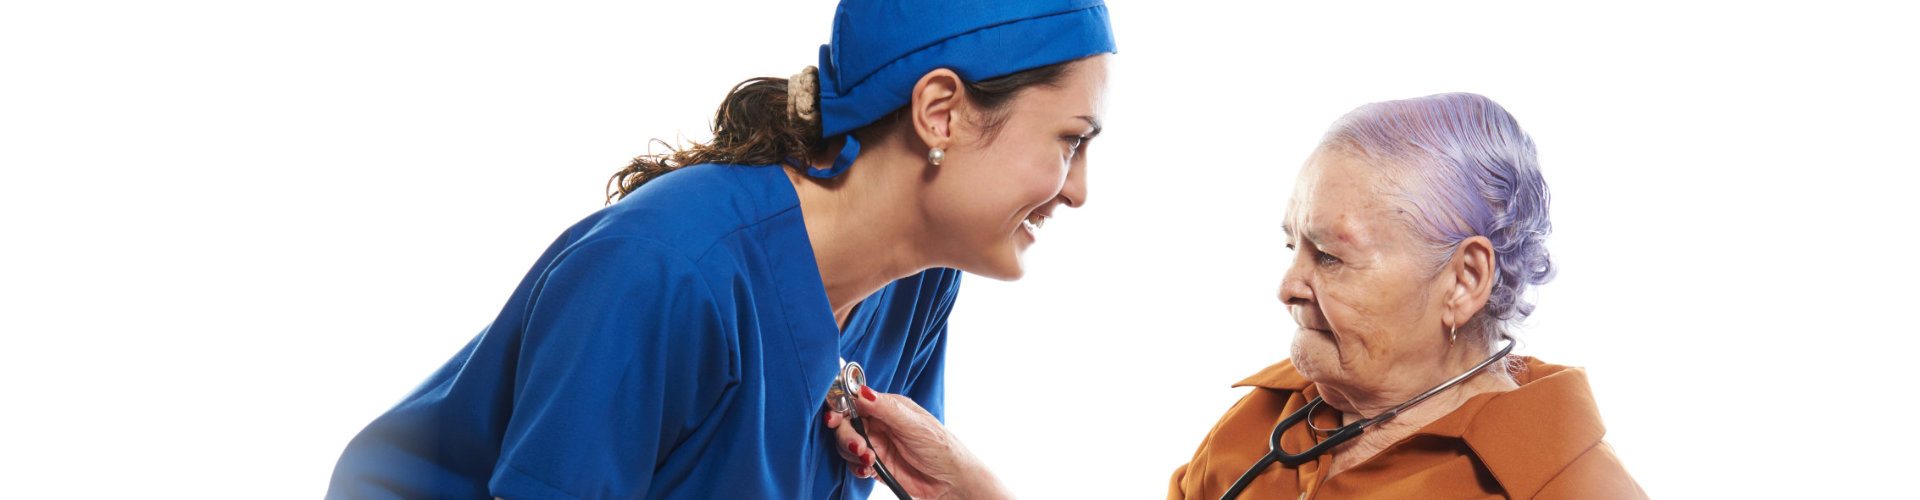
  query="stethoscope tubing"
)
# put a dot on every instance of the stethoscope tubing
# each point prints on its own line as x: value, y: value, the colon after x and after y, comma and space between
x: 1345, y: 432
x: 879, y: 468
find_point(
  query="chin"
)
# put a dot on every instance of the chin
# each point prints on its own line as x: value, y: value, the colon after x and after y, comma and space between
x: 1007, y: 267
x: 1011, y: 272
x: 1308, y: 359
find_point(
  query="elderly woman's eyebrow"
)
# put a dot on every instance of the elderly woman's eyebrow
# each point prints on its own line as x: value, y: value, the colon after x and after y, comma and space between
x: 1312, y: 234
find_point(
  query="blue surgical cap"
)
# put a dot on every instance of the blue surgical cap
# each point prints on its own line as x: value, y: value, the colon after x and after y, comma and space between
x: 881, y: 48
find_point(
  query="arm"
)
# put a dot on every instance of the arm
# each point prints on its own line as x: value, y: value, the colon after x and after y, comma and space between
x: 624, y: 353
x: 927, y: 459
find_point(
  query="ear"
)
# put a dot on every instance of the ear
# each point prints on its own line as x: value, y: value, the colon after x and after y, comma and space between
x: 935, y: 107
x: 1473, y: 271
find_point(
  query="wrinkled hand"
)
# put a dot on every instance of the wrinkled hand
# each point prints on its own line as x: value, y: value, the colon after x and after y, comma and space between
x: 927, y: 460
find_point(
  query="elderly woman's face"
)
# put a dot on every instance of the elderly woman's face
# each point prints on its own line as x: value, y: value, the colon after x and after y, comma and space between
x: 1369, y: 314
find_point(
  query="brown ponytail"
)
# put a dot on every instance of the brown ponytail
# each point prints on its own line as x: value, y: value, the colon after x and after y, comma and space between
x: 753, y: 127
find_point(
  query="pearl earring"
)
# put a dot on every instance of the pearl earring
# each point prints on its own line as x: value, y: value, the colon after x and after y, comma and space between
x: 936, y: 155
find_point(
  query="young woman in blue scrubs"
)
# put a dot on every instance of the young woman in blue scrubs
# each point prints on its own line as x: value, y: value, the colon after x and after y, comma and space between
x: 680, y: 342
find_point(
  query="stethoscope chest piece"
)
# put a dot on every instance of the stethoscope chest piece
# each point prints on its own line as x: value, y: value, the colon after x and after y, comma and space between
x: 846, y: 386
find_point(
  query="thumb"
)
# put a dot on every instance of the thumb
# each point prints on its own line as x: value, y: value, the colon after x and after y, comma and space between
x: 882, y: 406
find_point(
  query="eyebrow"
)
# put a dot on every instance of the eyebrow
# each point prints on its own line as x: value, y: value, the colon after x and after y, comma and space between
x: 1095, y: 122
x: 1314, y: 236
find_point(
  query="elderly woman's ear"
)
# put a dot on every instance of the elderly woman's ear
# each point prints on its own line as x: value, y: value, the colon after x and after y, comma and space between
x: 1472, y: 273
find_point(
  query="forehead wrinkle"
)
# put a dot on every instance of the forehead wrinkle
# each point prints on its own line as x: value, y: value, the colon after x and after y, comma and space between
x: 1293, y: 221
x: 1367, y: 215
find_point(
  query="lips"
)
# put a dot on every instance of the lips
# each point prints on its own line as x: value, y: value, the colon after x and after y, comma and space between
x: 1308, y: 321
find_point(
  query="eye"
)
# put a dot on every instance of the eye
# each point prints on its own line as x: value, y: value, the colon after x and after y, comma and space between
x: 1325, y: 259
x: 1074, y: 144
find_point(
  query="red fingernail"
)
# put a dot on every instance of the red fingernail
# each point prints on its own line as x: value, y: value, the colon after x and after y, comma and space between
x: 864, y: 391
x: 866, y: 459
x: 853, y: 448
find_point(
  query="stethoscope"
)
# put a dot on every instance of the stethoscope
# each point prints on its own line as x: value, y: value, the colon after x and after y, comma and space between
x: 1342, y: 434
x: 840, y: 399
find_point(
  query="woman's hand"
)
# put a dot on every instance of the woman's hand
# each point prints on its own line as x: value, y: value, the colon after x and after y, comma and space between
x: 927, y: 460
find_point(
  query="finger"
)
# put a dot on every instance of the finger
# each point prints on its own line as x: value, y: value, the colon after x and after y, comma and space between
x: 880, y: 406
x: 850, y: 445
x: 874, y: 404
x: 832, y: 419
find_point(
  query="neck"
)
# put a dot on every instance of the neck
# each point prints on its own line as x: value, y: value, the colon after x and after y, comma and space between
x: 1380, y: 436
x: 860, y: 226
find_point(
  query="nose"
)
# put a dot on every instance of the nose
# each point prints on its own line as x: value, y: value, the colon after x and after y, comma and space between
x: 1294, y: 290
x: 1074, y: 192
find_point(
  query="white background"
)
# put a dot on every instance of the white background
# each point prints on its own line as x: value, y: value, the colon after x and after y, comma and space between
x: 234, y: 232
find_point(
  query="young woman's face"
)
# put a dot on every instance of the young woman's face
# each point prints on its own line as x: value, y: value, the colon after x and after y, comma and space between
x: 997, y: 189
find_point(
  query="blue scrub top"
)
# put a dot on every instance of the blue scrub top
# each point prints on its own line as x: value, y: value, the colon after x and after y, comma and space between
x: 677, y: 344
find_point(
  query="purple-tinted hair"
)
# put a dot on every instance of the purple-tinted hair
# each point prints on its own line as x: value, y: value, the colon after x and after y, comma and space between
x: 1463, y: 168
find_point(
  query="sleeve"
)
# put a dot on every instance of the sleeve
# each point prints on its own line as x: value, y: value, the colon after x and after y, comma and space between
x: 1177, y: 486
x: 1598, y: 473
x: 625, y: 351
x: 1174, y: 489
x: 1184, y: 483
x: 928, y: 384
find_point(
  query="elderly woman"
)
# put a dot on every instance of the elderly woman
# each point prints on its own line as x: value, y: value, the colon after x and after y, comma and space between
x: 1416, y: 226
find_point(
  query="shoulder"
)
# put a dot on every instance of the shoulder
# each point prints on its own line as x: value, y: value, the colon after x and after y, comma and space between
x: 1274, y: 388
x: 604, y: 296
x: 1597, y: 473
x: 1544, y: 439
x: 1241, y: 432
x: 690, y: 209
x: 617, y: 265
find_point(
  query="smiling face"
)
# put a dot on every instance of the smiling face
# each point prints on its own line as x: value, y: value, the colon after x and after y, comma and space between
x: 1370, y: 314
x: 996, y: 189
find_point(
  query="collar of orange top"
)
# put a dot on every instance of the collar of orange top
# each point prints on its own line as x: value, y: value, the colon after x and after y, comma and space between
x: 1524, y: 436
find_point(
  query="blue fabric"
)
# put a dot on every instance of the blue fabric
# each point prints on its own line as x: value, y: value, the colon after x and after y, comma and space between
x: 677, y: 344
x: 848, y: 152
x: 880, y: 48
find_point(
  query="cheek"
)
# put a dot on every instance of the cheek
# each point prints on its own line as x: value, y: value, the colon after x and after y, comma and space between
x: 1346, y: 311
x: 1377, y: 316
x: 1019, y: 184
x: 1353, y: 309
x: 1038, y: 175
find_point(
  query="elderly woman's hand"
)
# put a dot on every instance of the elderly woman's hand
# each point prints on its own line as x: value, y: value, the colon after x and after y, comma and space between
x: 927, y: 460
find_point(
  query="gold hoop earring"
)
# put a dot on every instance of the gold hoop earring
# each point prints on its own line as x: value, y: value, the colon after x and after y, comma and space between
x: 1453, y: 334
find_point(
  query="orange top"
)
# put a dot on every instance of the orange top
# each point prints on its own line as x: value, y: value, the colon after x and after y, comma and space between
x: 1541, y: 440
